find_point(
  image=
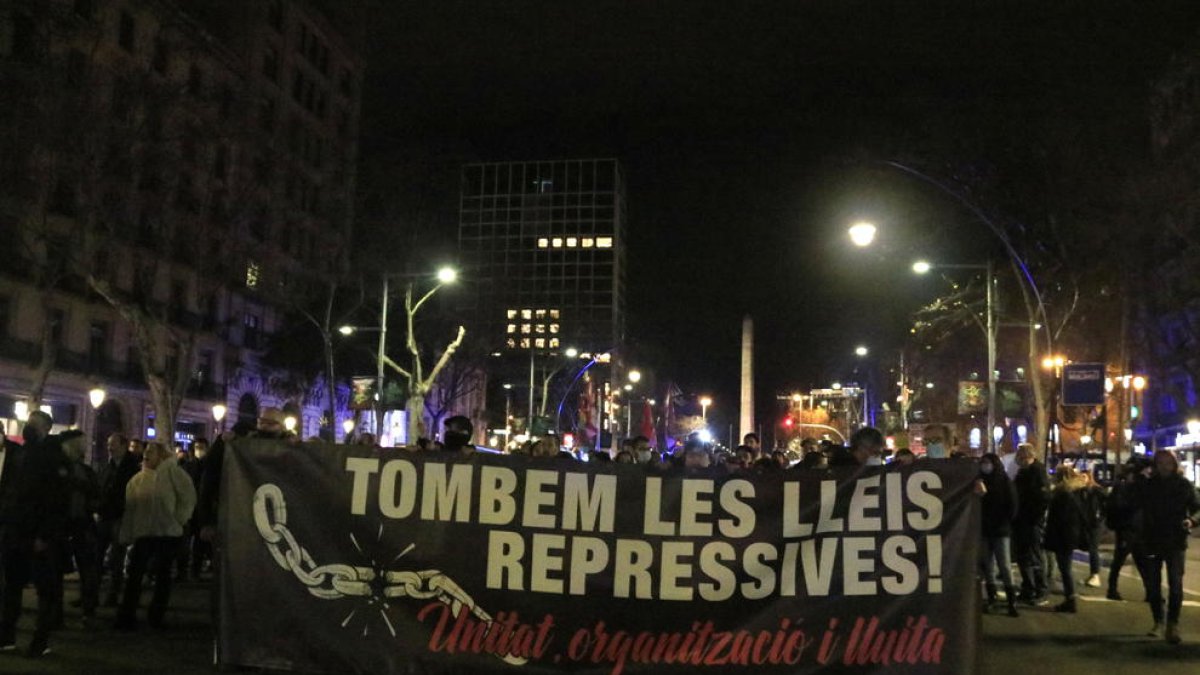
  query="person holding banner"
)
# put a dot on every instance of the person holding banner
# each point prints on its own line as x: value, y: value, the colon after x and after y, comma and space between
x: 1066, y: 530
x: 158, y: 503
x: 999, y: 507
x: 1169, y: 512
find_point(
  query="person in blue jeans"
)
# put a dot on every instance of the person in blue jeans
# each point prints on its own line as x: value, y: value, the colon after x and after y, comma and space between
x: 1066, y: 530
x: 999, y: 507
x: 1169, y: 506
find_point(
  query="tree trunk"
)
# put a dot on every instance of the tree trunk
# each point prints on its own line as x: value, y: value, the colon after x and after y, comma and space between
x: 165, y: 409
x: 45, y: 365
x: 415, y: 408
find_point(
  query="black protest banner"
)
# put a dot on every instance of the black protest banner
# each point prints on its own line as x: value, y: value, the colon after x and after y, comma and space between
x: 339, y: 559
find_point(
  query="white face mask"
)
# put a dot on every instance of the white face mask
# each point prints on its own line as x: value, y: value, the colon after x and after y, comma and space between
x: 643, y: 456
x: 935, y: 450
x: 874, y: 460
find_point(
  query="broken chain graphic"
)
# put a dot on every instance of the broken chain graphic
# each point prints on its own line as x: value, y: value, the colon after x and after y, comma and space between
x: 337, y: 580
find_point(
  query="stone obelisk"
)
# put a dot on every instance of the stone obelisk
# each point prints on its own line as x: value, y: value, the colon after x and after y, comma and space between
x: 746, y: 419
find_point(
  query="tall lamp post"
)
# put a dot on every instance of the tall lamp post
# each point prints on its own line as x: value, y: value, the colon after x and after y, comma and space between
x: 923, y: 267
x: 705, y: 401
x: 1054, y: 364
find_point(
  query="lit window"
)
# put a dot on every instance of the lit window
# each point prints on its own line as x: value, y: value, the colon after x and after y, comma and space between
x: 524, y: 343
x: 572, y: 242
x: 553, y: 343
x: 554, y: 329
x: 540, y: 328
x: 588, y: 242
x: 603, y: 242
x: 252, y: 275
x: 525, y: 328
x: 527, y: 314
x: 557, y: 242
x: 541, y: 313
x: 511, y: 343
x: 512, y: 313
x: 554, y: 314
x: 512, y: 328
x: 543, y: 242
x: 540, y: 343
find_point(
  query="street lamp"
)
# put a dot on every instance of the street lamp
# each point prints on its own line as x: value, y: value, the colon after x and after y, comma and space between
x: 289, y: 423
x: 635, y: 376
x: 347, y: 427
x: 96, y: 397
x: 447, y: 275
x: 704, y: 403
x: 218, y: 413
x: 862, y: 234
x: 923, y: 267
x: 861, y: 351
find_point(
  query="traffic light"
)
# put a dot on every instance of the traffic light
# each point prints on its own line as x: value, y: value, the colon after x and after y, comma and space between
x: 788, y: 421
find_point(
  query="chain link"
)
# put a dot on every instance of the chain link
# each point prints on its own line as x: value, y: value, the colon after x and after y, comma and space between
x: 336, y: 580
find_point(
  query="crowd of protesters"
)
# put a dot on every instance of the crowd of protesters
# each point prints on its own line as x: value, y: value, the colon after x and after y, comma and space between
x: 152, y: 511
x: 125, y: 518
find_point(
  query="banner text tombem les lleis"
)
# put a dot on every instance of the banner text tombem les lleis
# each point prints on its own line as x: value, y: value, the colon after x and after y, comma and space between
x: 872, y: 537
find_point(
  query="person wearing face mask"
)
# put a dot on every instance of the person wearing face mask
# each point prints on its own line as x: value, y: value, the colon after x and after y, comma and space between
x: 999, y: 506
x: 642, y: 454
x: 935, y: 443
x: 457, y: 435
x: 866, y: 447
x: 33, y: 533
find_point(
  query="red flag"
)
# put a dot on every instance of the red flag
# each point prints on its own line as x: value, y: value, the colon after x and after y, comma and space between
x: 587, y: 408
x: 648, y: 424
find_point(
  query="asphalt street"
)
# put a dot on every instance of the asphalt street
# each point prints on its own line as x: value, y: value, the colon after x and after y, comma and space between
x: 1104, y: 637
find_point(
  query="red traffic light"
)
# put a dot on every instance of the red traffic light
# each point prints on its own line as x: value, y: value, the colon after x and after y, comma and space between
x: 788, y: 421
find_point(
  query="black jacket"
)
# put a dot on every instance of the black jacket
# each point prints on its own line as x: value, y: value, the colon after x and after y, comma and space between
x: 8, y: 483
x: 999, y: 506
x: 1066, y: 523
x: 113, y: 479
x: 1165, y: 503
x: 1032, y: 486
x: 37, y: 507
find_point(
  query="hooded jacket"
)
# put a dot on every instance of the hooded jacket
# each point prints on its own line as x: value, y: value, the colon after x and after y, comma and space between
x: 158, y: 502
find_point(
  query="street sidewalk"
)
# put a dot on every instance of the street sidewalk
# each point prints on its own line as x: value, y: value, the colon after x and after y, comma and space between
x: 1104, y: 637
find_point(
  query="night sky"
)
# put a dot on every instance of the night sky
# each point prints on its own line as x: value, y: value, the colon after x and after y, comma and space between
x: 743, y: 127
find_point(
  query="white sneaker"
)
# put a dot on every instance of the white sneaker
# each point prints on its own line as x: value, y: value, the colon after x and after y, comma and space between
x: 1093, y: 581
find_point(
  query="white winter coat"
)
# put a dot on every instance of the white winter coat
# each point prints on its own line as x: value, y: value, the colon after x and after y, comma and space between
x: 158, y: 502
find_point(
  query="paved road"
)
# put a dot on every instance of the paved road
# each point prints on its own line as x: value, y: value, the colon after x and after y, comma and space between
x: 1105, y: 638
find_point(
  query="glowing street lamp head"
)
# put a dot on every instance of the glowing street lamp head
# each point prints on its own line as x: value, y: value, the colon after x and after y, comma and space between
x: 218, y: 411
x: 635, y: 376
x: 289, y: 423
x: 96, y: 397
x: 836, y: 386
x: 447, y: 275
x: 796, y: 398
x: 861, y: 351
x: 1139, y: 383
x: 921, y: 267
x: 571, y: 352
x: 347, y: 426
x: 346, y: 330
x: 862, y: 234
x: 706, y: 401
x: 704, y: 435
